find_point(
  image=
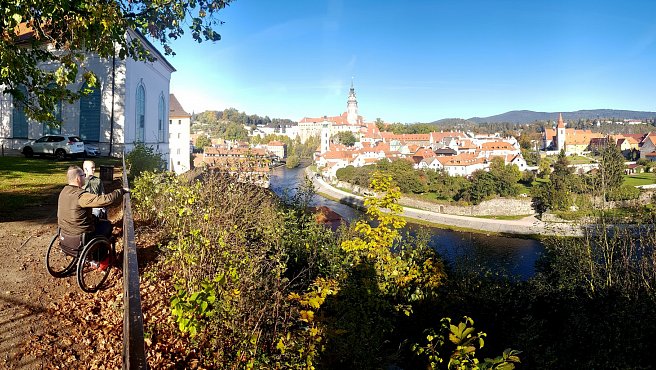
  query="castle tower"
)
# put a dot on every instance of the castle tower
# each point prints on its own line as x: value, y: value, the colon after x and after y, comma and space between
x: 560, y: 133
x: 352, y: 107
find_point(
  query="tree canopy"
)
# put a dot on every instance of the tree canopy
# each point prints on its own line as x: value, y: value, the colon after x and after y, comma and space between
x: 72, y: 29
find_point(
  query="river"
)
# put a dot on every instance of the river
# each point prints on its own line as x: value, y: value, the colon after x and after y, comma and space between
x: 506, y: 255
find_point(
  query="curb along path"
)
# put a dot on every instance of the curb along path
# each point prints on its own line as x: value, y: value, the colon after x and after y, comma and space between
x: 525, y: 226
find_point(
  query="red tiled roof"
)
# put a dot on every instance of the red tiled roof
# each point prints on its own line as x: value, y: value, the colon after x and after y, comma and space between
x: 497, y: 145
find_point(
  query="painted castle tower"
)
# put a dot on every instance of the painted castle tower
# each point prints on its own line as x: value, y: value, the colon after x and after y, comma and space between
x: 352, y: 107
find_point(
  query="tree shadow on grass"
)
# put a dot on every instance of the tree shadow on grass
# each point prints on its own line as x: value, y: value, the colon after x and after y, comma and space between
x: 17, y: 206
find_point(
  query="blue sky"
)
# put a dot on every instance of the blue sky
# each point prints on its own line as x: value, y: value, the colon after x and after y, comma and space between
x: 419, y: 61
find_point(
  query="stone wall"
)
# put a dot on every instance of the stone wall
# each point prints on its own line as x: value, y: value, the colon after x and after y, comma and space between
x: 493, y: 207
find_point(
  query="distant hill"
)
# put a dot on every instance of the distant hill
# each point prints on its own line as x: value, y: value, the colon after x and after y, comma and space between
x: 452, y: 122
x: 527, y: 116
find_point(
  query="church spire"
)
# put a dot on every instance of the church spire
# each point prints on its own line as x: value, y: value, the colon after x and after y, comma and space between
x: 560, y: 121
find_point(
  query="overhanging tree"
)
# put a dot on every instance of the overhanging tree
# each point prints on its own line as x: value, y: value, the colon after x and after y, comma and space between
x: 38, y: 77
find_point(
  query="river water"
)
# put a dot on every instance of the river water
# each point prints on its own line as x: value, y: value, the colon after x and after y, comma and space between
x: 505, y: 255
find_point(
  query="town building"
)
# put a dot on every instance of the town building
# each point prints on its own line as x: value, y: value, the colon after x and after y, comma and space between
x: 571, y: 140
x: 278, y: 149
x: 179, y: 137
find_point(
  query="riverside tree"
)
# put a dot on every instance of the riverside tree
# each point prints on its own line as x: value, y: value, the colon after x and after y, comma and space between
x: 72, y: 30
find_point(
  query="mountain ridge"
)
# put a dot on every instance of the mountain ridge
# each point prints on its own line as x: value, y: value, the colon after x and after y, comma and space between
x: 528, y: 116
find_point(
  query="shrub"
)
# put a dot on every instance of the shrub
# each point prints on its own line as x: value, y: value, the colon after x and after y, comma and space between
x: 624, y: 192
x: 230, y: 245
x: 143, y: 158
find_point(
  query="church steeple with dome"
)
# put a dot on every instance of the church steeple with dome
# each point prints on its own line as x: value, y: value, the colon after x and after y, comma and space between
x: 352, y: 107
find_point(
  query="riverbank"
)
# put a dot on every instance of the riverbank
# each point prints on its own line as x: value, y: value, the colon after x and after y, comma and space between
x: 527, y: 226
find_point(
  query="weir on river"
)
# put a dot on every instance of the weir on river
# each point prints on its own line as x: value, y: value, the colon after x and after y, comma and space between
x: 511, y: 255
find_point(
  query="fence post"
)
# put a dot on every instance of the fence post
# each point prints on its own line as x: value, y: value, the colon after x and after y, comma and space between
x: 134, y: 356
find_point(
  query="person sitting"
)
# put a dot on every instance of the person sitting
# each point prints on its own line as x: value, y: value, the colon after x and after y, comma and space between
x: 74, y: 216
x: 94, y: 185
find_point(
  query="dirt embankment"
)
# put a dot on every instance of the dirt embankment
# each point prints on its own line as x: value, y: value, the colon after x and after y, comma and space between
x: 47, y: 322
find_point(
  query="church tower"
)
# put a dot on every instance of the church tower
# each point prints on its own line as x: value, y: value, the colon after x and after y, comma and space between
x: 352, y: 107
x: 560, y: 133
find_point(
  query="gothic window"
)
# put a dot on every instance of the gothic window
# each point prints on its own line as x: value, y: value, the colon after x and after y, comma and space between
x: 141, y: 113
x: 90, y: 116
x: 161, y: 114
x: 54, y: 130
x: 18, y: 118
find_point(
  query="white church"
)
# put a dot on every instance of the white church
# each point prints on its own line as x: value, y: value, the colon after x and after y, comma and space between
x: 131, y: 104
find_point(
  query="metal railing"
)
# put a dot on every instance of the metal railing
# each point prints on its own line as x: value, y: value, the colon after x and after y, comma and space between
x: 134, y: 354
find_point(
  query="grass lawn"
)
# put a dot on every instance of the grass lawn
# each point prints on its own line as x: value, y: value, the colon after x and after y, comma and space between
x: 640, y: 179
x: 579, y: 159
x: 27, y: 182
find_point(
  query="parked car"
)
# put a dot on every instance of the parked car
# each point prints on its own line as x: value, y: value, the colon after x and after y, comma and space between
x: 61, y: 146
x: 91, y: 150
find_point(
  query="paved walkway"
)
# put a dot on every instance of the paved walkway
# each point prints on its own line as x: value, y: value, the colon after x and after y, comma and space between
x: 525, y: 226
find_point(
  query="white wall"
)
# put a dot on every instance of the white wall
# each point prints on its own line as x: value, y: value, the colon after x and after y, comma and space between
x: 179, y: 139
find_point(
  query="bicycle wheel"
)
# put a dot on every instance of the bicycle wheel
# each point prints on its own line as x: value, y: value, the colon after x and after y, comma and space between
x: 94, y: 264
x: 58, y: 263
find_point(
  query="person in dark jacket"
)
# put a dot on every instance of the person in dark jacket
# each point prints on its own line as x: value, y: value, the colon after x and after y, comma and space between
x: 74, y: 207
x: 94, y: 185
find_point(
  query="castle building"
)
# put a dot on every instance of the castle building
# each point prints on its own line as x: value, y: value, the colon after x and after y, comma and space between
x: 349, y: 121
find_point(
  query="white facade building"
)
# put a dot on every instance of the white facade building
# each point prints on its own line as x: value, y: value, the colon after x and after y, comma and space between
x: 129, y: 105
x: 179, y: 137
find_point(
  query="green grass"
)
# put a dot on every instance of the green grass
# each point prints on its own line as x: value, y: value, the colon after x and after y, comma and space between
x: 640, y: 179
x: 578, y: 159
x: 26, y: 182
x: 430, y: 197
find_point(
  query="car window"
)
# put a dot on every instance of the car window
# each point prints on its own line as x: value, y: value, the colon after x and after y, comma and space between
x: 55, y: 139
x: 74, y: 139
x: 42, y: 140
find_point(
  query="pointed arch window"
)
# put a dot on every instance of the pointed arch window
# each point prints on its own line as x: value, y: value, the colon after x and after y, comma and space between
x: 90, y: 115
x: 18, y: 117
x: 57, y: 112
x: 141, y: 113
x: 161, y: 114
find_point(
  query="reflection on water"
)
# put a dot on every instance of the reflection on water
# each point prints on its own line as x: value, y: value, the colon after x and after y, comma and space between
x: 514, y: 256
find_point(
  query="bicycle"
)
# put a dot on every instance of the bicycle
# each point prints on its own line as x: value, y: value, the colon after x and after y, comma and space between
x: 91, y: 259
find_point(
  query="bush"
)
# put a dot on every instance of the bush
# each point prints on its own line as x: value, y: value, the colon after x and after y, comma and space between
x: 624, y: 192
x: 249, y: 274
x: 143, y: 158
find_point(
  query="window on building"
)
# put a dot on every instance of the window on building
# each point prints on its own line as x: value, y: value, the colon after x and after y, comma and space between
x: 179, y: 122
x: 90, y: 116
x: 161, y: 114
x: 18, y: 117
x: 57, y: 112
x: 179, y: 136
x: 141, y: 113
x: 170, y: 122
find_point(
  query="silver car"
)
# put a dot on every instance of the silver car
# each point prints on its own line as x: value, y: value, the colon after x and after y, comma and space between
x: 91, y: 150
x: 61, y: 146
